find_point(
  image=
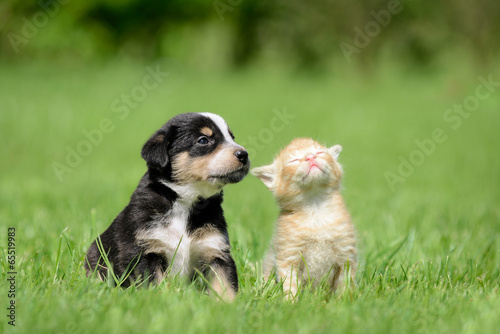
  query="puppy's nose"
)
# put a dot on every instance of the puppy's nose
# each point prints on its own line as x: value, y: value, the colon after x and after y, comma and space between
x: 242, y: 156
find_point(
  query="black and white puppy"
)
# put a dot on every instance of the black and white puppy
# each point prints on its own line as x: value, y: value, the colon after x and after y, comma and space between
x: 174, y: 223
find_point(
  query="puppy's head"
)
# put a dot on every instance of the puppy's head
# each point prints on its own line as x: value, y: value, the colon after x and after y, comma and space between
x: 197, y: 148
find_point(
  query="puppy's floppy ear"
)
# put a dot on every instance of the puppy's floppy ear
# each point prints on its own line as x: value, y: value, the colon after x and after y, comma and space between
x: 335, y: 151
x: 155, y: 151
x: 267, y: 174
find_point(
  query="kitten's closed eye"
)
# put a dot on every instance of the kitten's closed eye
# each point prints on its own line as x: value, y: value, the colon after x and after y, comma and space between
x: 298, y: 160
x: 301, y: 166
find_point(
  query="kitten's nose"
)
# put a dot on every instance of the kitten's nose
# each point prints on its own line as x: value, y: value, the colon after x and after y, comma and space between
x: 242, y: 156
x: 310, y: 157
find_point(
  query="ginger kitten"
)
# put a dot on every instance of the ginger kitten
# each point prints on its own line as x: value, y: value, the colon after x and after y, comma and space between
x: 314, y: 237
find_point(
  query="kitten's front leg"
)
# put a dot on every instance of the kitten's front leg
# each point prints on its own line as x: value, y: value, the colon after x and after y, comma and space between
x: 289, y: 272
x: 347, y: 271
x: 291, y: 286
x: 269, y: 265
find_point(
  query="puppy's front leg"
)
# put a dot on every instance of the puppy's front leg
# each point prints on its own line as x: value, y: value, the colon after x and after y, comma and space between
x: 223, y: 278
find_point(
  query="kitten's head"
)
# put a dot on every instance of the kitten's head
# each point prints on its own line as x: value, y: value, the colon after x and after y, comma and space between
x: 304, y: 165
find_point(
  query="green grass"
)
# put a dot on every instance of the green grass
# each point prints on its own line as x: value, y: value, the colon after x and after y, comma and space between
x: 429, y: 246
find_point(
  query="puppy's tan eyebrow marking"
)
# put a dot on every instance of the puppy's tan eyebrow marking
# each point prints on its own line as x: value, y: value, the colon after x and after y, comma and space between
x: 207, y: 131
x: 158, y: 139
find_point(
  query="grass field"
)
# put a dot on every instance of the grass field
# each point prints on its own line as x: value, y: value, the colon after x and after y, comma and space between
x: 421, y: 181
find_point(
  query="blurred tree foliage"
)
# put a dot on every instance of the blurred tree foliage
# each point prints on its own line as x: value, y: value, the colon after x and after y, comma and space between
x: 240, y: 31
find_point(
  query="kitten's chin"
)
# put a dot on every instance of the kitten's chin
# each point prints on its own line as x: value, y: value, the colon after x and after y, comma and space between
x: 315, y: 177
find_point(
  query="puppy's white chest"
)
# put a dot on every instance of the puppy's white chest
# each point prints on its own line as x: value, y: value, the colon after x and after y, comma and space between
x: 183, y: 250
x: 178, y: 245
x: 170, y: 239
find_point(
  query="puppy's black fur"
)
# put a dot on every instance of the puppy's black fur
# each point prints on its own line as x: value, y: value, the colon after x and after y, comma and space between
x: 174, y: 221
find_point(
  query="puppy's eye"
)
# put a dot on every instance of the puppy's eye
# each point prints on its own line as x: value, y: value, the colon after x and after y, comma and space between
x: 203, y: 141
x: 292, y: 161
x: 320, y: 152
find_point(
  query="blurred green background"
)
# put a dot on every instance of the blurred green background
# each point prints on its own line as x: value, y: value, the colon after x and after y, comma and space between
x: 84, y: 84
x: 235, y: 33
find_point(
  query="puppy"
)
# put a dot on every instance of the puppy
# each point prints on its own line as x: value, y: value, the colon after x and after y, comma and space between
x: 174, y: 223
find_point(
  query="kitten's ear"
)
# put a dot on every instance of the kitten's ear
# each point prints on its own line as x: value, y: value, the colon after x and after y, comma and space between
x: 266, y: 174
x: 335, y: 151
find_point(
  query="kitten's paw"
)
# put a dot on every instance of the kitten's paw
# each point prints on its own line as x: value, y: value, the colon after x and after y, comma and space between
x: 291, y: 294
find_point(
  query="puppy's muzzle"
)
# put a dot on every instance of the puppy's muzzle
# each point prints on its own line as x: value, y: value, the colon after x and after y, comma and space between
x: 237, y: 172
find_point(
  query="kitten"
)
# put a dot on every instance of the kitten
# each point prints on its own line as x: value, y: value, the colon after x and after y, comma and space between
x: 314, y: 237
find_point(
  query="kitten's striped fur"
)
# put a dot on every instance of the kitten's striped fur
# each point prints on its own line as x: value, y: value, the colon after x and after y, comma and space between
x: 314, y: 236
